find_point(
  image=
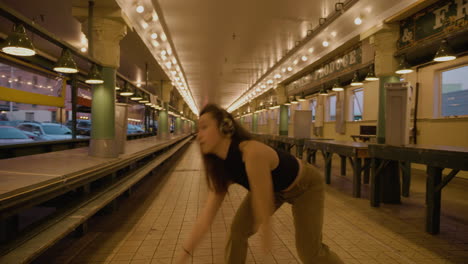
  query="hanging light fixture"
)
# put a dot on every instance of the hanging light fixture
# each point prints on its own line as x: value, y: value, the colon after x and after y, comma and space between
x: 370, y: 77
x: 94, y: 76
x: 337, y: 86
x: 302, y: 97
x: 403, y: 67
x: 356, y: 81
x: 445, y: 53
x: 65, y: 63
x: 18, y: 43
x: 323, y: 91
x: 117, y: 88
x: 294, y: 101
x: 136, y: 96
x: 287, y: 102
x: 126, y: 91
x: 145, y: 99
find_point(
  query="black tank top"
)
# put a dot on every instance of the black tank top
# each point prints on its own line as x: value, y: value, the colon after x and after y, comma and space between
x: 283, y: 175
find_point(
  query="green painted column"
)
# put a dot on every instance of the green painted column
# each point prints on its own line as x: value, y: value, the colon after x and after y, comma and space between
x: 382, y: 105
x: 255, y: 123
x: 283, y: 124
x: 103, y: 108
x: 103, y: 116
x: 178, y: 126
x: 163, y: 122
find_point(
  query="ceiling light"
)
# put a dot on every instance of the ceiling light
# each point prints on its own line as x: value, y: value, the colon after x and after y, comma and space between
x: 154, y: 36
x: 311, y: 50
x: 65, y: 63
x: 290, y: 68
x: 155, y: 43
x: 136, y: 96
x: 333, y: 34
x: 163, y: 53
x: 302, y: 97
x: 295, y: 62
x: 283, y: 70
x: 445, y: 53
x: 94, y: 76
x: 277, y: 76
x: 138, y: 85
x: 117, y: 88
x: 84, y: 49
x: 358, y: 21
x: 337, y: 86
x: 325, y: 43
x: 323, y: 91
x: 140, y: 9
x: 163, y: 37
x: 294, y: 101
x: 371, y: 74
x: 144, y: 25
x: 18, y: 43
x: 403, y: 66
x: 356, y: 81
x: 304, y: 58
x: 155, y: 16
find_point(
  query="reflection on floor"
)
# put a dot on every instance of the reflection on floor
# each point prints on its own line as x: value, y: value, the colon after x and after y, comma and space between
x: 151, y: 225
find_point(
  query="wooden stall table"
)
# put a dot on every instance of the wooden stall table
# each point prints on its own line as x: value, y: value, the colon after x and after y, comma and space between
x: 354, y: 151
x: 436, y: 158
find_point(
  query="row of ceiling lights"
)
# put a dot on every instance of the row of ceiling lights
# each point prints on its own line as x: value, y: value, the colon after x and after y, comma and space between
x: 285, y: 72
x: 444, y: 53
x: 18, y: 44
x: 152, y: 33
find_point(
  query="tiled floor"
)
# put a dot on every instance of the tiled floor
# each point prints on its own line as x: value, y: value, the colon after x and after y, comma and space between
x: 149, y: 227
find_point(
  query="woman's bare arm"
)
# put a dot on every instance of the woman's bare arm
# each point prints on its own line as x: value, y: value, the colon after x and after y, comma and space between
x: 212, y: 204
x: 258, y: 162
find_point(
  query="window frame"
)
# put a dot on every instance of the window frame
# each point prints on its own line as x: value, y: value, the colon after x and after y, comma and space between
x: 351, y: 104
x: 327, y: 107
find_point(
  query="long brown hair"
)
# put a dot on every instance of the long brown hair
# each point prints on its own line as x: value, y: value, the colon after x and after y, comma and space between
x: 215, y: 177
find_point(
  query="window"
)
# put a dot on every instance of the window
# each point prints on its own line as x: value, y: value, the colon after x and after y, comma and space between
x: 454, y: 92
x: 29, y: 116
x: 358, y: 96
x: 312, y: 107
x: 332, y: 108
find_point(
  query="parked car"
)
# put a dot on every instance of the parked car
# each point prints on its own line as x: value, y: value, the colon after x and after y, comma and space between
x: 83, y: 127
x: 12, y: 135
x: 134, y: 129
x: 47, y: 131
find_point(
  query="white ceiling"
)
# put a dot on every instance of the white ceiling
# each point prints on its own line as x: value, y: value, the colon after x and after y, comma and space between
x: 225, y: 46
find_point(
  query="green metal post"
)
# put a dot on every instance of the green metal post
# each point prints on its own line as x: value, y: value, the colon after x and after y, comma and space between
x: 163, y: 129
x: 255, y: 123
x: 283, y: 125
x: 103, y: 106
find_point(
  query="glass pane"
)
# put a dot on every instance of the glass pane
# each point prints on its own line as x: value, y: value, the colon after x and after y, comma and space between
x: 357, y: 104
x: 332, y: 108
x: 455, y: 92
x: 19, y: 79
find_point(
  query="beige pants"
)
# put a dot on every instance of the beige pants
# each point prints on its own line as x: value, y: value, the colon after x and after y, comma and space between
x: 307, y: 199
